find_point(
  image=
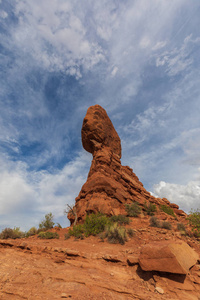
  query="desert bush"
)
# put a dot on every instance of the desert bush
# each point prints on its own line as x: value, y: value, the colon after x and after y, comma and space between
x: 95, y: 223
x: 31, y: 231
x: 77, y: 231
x: 130, y: 232
x: 166, y: 225
x: 48, y: 235
x: 154, y: 222
x: 133, y: 210
x: 116, y: 234
x: 194, y: 220
x: 9, y: 233
x: 181, y: 227
x: 150, y: 208
x: 168, y: 210
x: 120, y: 219
x: 101, y: 225
x: 47, y: 223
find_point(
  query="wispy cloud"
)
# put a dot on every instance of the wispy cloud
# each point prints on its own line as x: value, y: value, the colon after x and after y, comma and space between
x: 178, y: 60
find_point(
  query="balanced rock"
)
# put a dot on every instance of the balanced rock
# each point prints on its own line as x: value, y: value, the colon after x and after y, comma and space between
x: 109, y: 185
x: 173, y: 257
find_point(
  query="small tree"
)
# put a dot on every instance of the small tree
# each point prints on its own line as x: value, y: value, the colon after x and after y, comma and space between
x: 47, y: 223
x: 71, y: 210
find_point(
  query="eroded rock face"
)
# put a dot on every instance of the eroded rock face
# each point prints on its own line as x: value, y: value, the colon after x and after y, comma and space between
x: 173, y: 257
x: 109, y: 185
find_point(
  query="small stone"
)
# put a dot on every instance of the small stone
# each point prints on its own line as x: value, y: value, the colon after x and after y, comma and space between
x: 159, y: 290
x: 132, y: 260
x: 63, y: 295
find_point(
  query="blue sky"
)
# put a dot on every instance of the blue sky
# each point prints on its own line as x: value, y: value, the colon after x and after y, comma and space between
x: 138, y: 59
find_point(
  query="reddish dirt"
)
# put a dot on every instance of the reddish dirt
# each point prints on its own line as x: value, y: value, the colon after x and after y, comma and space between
x: 32, y: 268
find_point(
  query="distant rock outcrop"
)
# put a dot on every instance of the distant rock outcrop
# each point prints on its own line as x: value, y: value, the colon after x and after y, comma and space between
x: 109, y: 185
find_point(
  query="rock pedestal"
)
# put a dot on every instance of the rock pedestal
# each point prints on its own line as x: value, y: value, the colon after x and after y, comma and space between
x: 109, y: 185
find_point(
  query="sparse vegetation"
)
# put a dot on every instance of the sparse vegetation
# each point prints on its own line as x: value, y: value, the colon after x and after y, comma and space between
x: 116, y: 234
x: 77, y: 232
x: 194, y: 220
x: 181, y: 227
x: 154, y: 222
x: 150, y: 208
x: 133, y: 210
x: 104, y: 227
x: 48, y: 235
x: 9, y: 233
x: 130, y: 232
x: 47, y: 223
x: 32, y: 231
x: 120, y: 219
x: 95, y: 223
x: 71, y: 210
x: 168, y: 210
x: 58, y: 225
x: 166, y: 225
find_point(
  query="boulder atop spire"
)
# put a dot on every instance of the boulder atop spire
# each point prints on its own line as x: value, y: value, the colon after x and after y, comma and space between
x: 98, y: 131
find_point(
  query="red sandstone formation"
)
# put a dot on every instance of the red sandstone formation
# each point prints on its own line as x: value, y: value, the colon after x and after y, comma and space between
x: 168, y: 256
x: 109, y: 185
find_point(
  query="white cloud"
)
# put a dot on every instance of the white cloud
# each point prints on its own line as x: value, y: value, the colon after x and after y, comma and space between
x: 114, y: 71
x: 55, y: 36
x: 145, y: 42
x: 24, y: 194
x: 3, y: 14
x: 186, y: 196
x: 159, y: 45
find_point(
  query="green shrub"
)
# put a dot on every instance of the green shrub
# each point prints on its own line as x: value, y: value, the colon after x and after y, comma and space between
x: 48, y: 235
x: 130, y: 232
x: 47, y: 223
x: 133, y: 210
x: 116, y: 234
x: 77, y: 232
x: 32, y: 231
x: 150, y: 208
x: 104, y: 227
x: 9, y: 233
x: 166, y: 225
x: 94, y: 224
x: 181, y: 227
x: 154, y: 222
x: 194, y: 220
x: 168, y: 210
x: 120, y: 219
x: 102, y: 236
